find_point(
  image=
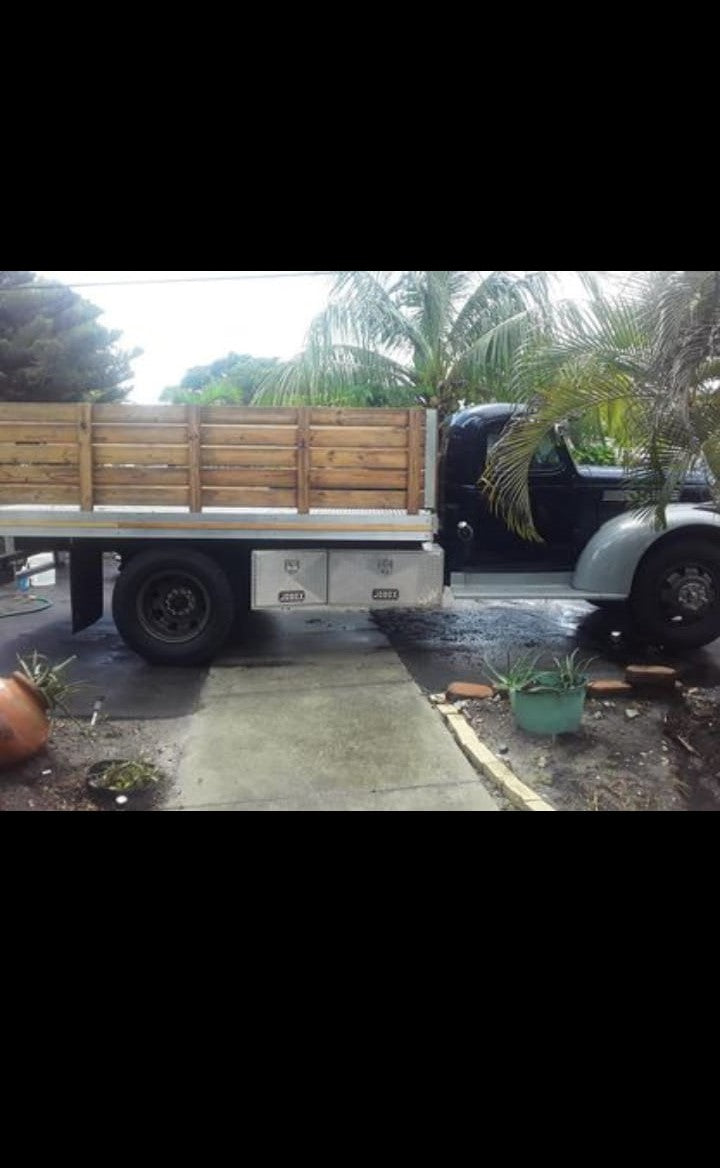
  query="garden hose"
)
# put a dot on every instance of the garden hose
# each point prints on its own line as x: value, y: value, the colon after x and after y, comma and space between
x: 40, y: 600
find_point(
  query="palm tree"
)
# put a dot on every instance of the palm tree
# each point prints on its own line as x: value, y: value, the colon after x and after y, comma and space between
x: 647, y: 358
x: 436, y: 339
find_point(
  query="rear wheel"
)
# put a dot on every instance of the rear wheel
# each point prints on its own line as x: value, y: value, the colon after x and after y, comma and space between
x: 675, y: 599
x: 173, y: 607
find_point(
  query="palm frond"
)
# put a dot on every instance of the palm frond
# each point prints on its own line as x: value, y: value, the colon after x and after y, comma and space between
x: 646, y: 358
x: 581, y: 370
x: 489, y: 359
x: 497, y: 297
x: 365, y: 309
x: 335, y: 376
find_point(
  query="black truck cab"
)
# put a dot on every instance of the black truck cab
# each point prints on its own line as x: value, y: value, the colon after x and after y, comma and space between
x: 570, y: 502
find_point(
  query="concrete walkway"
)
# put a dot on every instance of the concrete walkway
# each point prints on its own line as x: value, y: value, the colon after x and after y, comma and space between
x: 319, y: 714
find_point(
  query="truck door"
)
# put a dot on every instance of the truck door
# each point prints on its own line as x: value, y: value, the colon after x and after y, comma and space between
x: 557, y: 510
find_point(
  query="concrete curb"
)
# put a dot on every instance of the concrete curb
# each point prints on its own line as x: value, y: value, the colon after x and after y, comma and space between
x: 520, y: 795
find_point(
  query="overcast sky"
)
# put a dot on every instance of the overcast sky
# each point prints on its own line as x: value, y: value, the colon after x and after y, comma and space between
x: 181, y: 325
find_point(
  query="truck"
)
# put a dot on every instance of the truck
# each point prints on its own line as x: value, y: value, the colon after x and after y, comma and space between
x: 214, y: 512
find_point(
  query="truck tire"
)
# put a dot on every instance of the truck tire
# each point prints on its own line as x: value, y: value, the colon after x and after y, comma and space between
x: 675, y: 599
x: 173, y: 607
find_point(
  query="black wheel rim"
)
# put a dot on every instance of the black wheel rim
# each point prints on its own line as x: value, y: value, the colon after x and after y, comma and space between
x: 173, y: 607
x: 688, y: 594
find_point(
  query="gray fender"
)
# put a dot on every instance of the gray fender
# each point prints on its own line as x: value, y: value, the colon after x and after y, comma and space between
x: 608, y: 564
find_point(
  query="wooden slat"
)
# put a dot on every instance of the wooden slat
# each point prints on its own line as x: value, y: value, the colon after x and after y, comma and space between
x: 147, y: 415
x: 38, y: 432
x: 46, y: 453
x: 141, y: 455
x: 249, y: 435
x: 237, y: 477
x: 43, y: 494
x: 416, y: 460
x: 358, y: 436
x: 241, y: 416
x: 360, y: 500
x: 303, y: 467
x: 343, y: 417
x: 40, y: 474
x: 264, y: 456
x: 195, y: 459
x: 343, y: 480
x: 142, y: 496
x: 357, y: 459
x: 247, y: 497
x: 85, y: 426
x: 38, y: 412
x: 140, y: 435
x: 141, y: 476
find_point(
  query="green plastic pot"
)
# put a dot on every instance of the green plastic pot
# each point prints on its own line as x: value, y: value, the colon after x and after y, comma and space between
x: 549, y: 711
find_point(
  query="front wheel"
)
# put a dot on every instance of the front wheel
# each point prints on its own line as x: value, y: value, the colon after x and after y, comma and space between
x: 173, y: 607
x: 675, y: 599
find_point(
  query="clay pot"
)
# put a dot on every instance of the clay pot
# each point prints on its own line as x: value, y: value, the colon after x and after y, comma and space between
x: 24, y: 725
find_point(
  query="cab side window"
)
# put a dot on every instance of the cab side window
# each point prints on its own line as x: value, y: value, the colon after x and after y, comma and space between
x: 547, y: 458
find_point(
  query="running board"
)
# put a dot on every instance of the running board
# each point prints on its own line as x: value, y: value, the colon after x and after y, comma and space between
x: 521, y: 586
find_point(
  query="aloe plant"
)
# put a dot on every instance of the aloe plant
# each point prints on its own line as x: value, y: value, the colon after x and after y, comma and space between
x: 50, y: 680
x: 570, y: 672
x: 527, y: 675
x: 519, y: 675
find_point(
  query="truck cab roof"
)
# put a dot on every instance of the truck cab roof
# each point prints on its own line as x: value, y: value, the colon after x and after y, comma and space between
x: 490, y: 412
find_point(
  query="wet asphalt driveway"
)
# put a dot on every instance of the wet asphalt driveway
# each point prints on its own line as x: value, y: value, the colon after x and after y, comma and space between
x: 451, y: 645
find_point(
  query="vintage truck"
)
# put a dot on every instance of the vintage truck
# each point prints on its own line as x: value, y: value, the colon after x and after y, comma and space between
x: 217, y: 511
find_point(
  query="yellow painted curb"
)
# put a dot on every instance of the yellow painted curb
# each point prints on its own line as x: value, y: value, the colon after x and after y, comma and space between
x: 519, y: 794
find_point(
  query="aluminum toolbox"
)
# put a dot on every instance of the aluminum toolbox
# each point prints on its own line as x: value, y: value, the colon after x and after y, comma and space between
x: 386, y: 579
x: 289, y: 579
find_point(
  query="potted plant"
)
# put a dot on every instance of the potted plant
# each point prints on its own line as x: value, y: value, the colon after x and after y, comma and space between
x: 546, y: 700
x: 122, y: 777
x: 27, y: 700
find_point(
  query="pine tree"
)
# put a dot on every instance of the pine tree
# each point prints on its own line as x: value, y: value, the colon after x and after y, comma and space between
x: 52, y: 347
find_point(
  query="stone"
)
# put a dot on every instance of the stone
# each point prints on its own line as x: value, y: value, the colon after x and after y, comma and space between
x: 606, y: 687
x: 469, y: 690
x: 632, y: 714
x: 657, y: 676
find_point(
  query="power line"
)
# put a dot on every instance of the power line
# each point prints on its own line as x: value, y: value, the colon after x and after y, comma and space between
x: 167, y: 280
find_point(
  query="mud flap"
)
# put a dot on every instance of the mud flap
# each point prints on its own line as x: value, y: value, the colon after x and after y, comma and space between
x: 86, y: 586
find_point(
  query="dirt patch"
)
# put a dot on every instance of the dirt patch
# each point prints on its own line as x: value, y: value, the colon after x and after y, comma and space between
x: 55, y: 780
x: 630, y: 755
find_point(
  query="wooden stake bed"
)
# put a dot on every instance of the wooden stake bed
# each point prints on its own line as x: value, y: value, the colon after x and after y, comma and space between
x: 162, y: 470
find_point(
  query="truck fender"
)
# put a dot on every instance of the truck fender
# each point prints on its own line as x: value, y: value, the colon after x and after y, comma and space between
x: 608, y: 563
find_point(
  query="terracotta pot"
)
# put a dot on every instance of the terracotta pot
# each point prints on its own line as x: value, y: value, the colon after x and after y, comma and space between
x: 24, y: 725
